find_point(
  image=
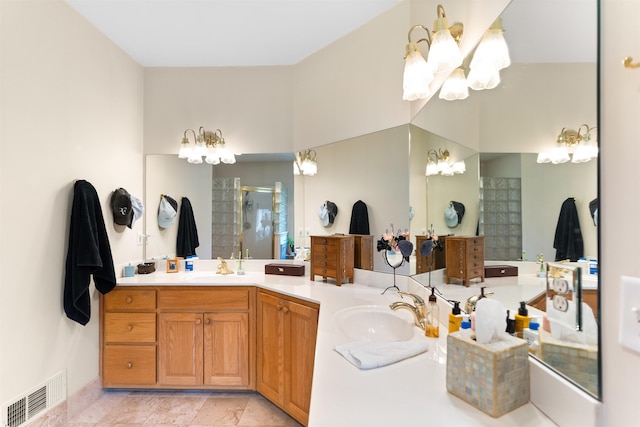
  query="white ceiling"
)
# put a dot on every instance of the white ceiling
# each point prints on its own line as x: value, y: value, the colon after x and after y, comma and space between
x: 188, y: 33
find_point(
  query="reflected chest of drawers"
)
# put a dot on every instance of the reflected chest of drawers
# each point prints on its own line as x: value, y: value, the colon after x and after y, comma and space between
x: 332, y: 256
x: 464, y: 258
x: 363, y: 248
x: 435, y: 261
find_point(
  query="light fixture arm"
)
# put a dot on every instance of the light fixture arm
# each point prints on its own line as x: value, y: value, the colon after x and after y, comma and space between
x: 185, y: 138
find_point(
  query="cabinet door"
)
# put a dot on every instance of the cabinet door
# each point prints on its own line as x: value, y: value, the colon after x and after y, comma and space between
x: 270, y: 343
x: 301, y: 326
x: 180, y: 349
x: 226, y: 349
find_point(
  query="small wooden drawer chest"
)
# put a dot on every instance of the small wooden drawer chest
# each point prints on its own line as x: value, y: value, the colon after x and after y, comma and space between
x: 464, y: 258
x: 332, y: 256
x: 435, y: 261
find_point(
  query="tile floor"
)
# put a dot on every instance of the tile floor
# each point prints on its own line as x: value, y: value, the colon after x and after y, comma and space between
x: 175, y: 409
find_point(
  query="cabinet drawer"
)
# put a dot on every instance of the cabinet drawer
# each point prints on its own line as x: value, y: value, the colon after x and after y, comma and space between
x: 325, y: 241
x: 135, y: 364
x: 125, y: 299
x: 325, y: 272
x: 130, y: 327
x: 476, y: 272
x: 204, y: 299
x: 325, y: 256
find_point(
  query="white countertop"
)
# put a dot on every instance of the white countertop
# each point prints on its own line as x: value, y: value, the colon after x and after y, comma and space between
x: 408, y: 393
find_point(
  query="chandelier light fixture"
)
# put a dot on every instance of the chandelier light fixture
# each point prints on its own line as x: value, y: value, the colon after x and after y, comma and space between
x: 207, y: 145
x: 577, y: 146
x: 443, y: 56
x: 304, y: 163
x: 439, y: 163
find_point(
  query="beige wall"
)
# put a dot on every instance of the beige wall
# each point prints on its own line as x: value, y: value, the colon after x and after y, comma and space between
x: 71, y: 109
x: 252, y: 106
x: 620, y: 247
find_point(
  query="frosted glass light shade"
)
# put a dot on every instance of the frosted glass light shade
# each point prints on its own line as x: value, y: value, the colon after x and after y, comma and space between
x: 560, y: 155
x: 455, y: 87
x: 444, y: 54
x: 432, y: 169
x: 417, y: 77
x: 483, y: 76
x: 493, y: 49
x: 185, y: 151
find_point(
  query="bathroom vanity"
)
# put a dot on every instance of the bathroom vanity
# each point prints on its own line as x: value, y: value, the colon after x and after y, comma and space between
x: 282, y: 329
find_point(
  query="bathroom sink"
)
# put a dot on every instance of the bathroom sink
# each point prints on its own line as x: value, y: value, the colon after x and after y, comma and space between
x: 373, y: 323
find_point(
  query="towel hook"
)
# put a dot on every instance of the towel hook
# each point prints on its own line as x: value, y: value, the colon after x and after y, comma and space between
x: 628, y: 63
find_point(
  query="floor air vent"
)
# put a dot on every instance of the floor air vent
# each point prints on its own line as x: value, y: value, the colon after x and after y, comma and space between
x: 36, y: 401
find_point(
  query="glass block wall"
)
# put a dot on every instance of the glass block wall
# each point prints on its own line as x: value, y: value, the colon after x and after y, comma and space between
x: 501, y: 218
x: 225, y: 218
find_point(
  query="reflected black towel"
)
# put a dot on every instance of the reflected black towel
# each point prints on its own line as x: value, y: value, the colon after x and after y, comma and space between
x: 359, y: 219
x: 187, y: 240
x: 568, y: 238
x: 88, y: 253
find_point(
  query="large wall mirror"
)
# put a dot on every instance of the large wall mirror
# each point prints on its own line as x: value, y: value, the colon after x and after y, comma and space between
x: 507, y: 127
x: 498, y: 134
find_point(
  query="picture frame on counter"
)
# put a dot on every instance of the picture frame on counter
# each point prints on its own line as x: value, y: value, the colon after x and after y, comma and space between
x: 172, y: 266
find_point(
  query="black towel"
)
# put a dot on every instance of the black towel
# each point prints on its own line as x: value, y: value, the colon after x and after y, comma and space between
x: 89, y: 253
x: 187, y: 240
x: 359, y: 219
x: 568, y: 238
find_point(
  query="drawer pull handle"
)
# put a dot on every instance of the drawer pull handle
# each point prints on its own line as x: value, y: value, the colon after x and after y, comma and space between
x: 207, y: 322
x: 279, y: 307
x: 129, y: 300
x: 130, y: 328
x: 129, y: 365
x: 198, y: 321
x: 285, y: 309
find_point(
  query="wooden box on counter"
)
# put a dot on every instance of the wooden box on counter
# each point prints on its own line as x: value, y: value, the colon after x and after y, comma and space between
x: 332, y: 256
x: 500, y: 271
x: 284, y: 269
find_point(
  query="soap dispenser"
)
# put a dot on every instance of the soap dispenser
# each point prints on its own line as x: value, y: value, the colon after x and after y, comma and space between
x: 522, y: 319
x: 531, y: 334
x: 432, y: 316
x: 455, y: 317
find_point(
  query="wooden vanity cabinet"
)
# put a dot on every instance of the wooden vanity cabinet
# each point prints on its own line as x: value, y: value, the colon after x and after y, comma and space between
x: 128, y: 338
x: 178, y: 337
x: 286, y: 342
x: 204, y: 337
x: 464, y: 258
x: 332, y: 256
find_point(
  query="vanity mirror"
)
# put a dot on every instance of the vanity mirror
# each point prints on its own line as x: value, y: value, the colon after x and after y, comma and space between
x: 521, y: 117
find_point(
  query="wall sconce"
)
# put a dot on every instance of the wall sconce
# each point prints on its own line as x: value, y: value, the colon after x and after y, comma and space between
x: 210, y: 145
x: 439, y: 162
x: 304, y: 163
x: 444, y: 56
x: 584, y: 149
x: 491, y: 56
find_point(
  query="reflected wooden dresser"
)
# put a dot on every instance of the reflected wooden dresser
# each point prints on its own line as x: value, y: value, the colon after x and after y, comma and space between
x: 363, y: 252
x: 435, y: 261
x: 332, y: 256
x: 464, y: 258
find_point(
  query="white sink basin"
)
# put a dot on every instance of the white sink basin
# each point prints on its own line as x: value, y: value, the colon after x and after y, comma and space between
x: 373, y: 323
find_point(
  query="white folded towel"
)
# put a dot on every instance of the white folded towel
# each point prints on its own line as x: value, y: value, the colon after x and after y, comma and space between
x: 373, y: 354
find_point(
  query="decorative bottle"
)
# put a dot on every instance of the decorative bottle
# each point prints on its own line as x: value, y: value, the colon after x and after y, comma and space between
x: 455, y: 317
x: 432, y: 317
x: 522, y: 319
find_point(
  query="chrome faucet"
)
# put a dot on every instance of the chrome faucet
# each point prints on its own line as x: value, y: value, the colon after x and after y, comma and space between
x: 418, y: 309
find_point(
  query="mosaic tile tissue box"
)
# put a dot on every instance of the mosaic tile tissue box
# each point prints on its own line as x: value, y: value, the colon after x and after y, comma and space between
x: 577, y: 361
x: 493, y: 377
